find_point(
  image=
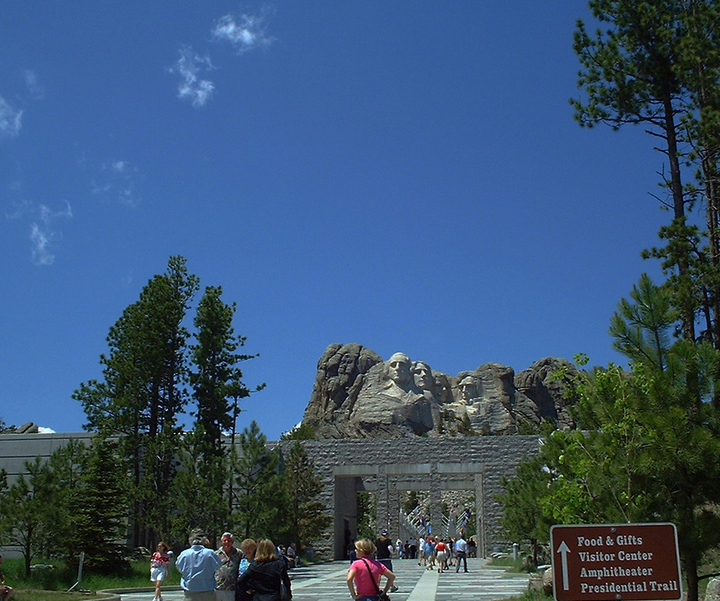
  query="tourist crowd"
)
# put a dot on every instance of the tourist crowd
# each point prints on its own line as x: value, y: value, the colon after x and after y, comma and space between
x: 257, y: 570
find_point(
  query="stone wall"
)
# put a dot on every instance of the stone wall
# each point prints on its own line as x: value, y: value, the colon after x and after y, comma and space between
x: 390, y: 466
x: 16, y: 449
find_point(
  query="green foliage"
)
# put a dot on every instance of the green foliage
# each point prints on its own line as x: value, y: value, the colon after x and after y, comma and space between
x: 149, y: 375
x: 649, y: 450
x: 51, y: 584
x: 412, y: 500
x: 366, y: 511
x: 658, y: 64
x: 28, y: 510
x: 523, y: 517
x: 143, y: 392
x: 307, y: 517
x: 198, y: 491
x: 98, y: 510
x: 258, y: 492
x: 300, y: 432
x: 215, y: 371
x: 217, y: 387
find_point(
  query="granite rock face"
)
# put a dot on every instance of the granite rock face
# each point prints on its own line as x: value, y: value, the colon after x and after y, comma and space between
x: 358, y: 395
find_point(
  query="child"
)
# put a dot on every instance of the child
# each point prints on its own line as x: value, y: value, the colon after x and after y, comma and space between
x: 159, y: 566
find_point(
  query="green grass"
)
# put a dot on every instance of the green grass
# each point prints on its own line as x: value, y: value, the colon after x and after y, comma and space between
x: 50, y: 585
x: 531, y: 595
x: 511, y: 565
x: 35, y: 595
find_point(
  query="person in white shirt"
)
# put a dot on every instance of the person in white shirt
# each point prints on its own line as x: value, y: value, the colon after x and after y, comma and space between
x: 461, y: 549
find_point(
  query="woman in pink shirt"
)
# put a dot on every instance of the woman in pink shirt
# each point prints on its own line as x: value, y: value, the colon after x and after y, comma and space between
x: 363, y: 577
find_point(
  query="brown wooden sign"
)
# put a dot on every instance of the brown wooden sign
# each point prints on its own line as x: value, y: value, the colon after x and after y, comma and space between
x: 615, y: 561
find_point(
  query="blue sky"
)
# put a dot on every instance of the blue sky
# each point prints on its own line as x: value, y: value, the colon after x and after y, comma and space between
x: 406, y: 175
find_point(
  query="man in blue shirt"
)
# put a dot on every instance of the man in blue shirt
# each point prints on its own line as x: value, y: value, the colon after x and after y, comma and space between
x: 197, y: 567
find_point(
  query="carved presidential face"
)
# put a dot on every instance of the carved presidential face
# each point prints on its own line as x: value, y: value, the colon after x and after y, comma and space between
x: 398, y: 368
x: 467, y: 389
x: 423, y: 376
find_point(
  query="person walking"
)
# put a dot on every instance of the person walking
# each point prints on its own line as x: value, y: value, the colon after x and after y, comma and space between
x: 441, y: 555
x: 197, y: 566
x: 159, y: 568
x: 364, y: 575
x: 461, y: 551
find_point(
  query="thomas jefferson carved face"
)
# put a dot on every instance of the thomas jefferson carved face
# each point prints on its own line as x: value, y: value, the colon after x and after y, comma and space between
x: 423, y: 375
x: 398, y: 368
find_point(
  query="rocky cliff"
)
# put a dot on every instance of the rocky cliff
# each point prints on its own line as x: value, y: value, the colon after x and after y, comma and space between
x: 358, y: 395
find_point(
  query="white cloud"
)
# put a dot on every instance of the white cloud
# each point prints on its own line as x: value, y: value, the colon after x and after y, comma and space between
x: 10, y: 120
x: 37, y: 91
x: 244, y: 32
x: 44, y: 430
x: 116, y: 181
x: 42, y: 234
x: 189, y: 67
x: 40, y: 240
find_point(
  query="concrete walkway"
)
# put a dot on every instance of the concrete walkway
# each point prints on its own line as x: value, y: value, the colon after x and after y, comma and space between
x: 327, y: 581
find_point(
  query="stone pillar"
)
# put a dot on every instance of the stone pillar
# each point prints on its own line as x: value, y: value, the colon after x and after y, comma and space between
x: 382, y: 516
x: 480, y: 522
x: 435, y: 500
x: 393, y: 509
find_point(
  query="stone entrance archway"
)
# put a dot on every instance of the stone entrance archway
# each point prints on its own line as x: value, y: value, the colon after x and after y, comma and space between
x: 390, y: 467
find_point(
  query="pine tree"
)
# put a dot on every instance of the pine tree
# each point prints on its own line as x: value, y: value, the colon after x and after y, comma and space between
x: 216, y: 370
x: 98, y: 509
x: 307, y: 516
x: 257, y: 486
x: 28, y: 511
x: 143, y: 392
x: 523, y: 517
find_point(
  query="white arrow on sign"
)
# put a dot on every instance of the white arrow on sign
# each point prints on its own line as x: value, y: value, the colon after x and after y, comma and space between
x: 563, y: 549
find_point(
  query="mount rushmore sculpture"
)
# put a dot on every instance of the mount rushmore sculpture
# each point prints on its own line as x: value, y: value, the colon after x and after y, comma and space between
x: 358, y: 395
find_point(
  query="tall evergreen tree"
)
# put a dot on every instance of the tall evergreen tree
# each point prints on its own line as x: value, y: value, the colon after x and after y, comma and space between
x: 630, y: 75
x: 216, y: 372
x: 650, y: 446
x: 98, y: 509
x: 67, y: 463
x: 143, y: 392
x: 217, y: 384
x: 307, y: 516
x: 257, y: 486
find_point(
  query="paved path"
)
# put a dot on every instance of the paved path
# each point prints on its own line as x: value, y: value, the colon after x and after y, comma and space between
x: 327, y: 581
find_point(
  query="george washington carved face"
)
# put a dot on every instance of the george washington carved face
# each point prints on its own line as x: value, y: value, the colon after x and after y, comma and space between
x: 398, y: 368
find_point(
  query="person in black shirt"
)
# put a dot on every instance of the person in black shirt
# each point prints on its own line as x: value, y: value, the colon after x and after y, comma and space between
x: 384, y: 553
